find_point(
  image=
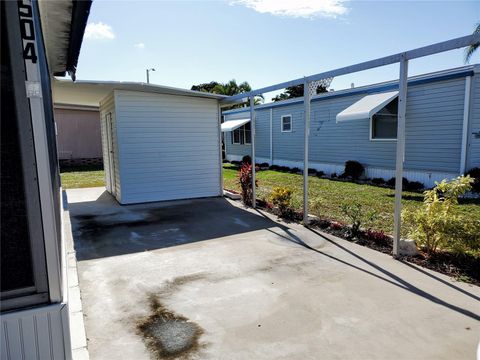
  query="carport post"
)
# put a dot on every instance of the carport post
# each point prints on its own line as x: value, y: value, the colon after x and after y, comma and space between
x: 252, y: 134
x: 402, y: 108
x: 306, y: 103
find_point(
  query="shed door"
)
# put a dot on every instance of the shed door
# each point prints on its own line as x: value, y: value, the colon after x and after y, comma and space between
x: 111, y: 154
x: 170, y: 147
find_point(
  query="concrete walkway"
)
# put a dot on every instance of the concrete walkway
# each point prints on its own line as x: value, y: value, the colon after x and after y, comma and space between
x: 256, y: 288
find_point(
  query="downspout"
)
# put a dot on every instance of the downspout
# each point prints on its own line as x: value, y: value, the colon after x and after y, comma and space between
x: 466, y: 117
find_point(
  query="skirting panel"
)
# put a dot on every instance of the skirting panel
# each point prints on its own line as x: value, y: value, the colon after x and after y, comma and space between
x: 427, y: 178
x: 38, y: 334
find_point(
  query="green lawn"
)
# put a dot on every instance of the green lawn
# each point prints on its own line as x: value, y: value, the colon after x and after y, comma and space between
x: 326, y: 196
x: 77, y: 178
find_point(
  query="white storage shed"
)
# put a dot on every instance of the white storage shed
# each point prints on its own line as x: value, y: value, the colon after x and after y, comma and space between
x: 160, y: 144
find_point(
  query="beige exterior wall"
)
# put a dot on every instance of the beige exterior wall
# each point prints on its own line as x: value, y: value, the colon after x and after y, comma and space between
x: 78, y: 134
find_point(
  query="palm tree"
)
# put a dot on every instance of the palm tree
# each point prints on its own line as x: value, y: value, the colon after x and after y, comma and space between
x: 232, y: 88
x: 474, y: 47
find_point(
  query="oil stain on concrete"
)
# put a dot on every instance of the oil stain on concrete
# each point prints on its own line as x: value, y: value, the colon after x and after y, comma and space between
x: 169, y: 335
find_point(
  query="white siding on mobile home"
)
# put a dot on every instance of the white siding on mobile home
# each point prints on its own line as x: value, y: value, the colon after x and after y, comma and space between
x: 165, y: 146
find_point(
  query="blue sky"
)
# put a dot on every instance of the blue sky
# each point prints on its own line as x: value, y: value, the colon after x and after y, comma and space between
x: 265, y: 41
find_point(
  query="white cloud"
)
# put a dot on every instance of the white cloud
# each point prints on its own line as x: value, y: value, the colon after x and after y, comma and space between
x: 140, y: 45
x: 99, y: 31
x: 297, y: 8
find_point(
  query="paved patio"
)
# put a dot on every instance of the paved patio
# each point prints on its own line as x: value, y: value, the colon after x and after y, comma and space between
x: 255, y: 288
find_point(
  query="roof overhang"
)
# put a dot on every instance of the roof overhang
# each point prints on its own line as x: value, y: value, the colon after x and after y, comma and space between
x: 90, y: 93
x: 367, y: 106
x: 63, y: 26
x: 234, y: 124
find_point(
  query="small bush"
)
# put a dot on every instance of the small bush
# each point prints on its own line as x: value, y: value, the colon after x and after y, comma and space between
x: 284, y: 168
x: 378, y: 181
x: 245, y: 180
x: 353, y: 169
x: 312, y: 171
x: 391, y: 182
x: 274, y: 167
x: 282, y: 198
x: 414, y: 186
x: 247, y: 159
x: 333, y: 175
x: 377, y: 236
x: 320, y: 173
x: 475, y: 174
x: 264, y: 165
x: 357, y: 216
x: 295, y: 170
x: 437, y: 226
x: 235, y: 162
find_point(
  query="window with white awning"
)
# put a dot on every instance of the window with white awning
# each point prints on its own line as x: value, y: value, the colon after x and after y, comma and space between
x: 234, y: 124
x: 382, y: 111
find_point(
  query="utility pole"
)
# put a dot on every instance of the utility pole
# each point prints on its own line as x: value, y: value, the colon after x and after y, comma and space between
x: 148, y: 75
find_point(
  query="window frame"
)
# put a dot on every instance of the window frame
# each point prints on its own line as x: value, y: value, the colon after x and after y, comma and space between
x: 377, y: 138
x: 281, y: 123
x: 233, y: 137
x: 244, y: 128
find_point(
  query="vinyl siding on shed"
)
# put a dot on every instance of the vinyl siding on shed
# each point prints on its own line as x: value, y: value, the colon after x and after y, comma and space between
x: 433, y: 131
x: 168, y: 146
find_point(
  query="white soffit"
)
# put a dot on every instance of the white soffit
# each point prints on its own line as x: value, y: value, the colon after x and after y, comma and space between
x: 366, y: 107
x: 233, y: 124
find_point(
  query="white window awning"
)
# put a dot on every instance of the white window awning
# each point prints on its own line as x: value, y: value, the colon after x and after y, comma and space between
x: 366, y: 107
x: 233, y: 124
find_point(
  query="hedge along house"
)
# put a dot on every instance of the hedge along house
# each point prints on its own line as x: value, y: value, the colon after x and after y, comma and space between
x: 442, y: 131
x: 159, y: 143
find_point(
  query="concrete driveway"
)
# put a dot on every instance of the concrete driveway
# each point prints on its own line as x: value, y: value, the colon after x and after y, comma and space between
x: 208, y: 279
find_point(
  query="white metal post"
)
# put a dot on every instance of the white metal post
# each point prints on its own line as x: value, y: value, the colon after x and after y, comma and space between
x: 466, y: 116
x: 252, y: 132
x: 306, y: 103
x: 402, y: 107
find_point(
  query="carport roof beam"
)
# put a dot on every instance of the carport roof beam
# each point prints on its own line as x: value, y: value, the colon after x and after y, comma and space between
x: 387, y: 60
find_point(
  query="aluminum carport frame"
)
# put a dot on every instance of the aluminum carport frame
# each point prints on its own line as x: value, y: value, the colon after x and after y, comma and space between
x: 400, y: 58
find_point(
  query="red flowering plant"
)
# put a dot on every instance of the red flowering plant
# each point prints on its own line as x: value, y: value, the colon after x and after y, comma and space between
x: 245, y: 180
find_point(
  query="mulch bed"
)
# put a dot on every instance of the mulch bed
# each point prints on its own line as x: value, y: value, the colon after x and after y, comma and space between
x: 462, y: 267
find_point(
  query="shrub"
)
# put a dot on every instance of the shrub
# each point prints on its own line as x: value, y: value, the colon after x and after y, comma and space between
x: 353, y: 169
x: 245, y: 180
x: 247, y: 159
x: 357, y: 216
x: 284, y: 168
x: 414, y: 186
x: 295, y: 170
x: 274, y: 167
x: 391, y: 182
x: 264, y: 165
x: 312, y: 171
x: 282, y: 198
x: 475, y: 174
x: 378, y: 181
x: 437, y: 226
x: 333, y: 175
x: 377, y: 236
x: 320, y: 173
x: 235, y: 162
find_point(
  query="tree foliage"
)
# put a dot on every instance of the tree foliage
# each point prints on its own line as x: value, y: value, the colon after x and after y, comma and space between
x: 296, y: 91
x: 469, y: 51
x: 229, y: 88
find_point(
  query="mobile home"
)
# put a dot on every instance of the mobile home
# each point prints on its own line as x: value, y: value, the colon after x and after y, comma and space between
x: 442, y: 128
